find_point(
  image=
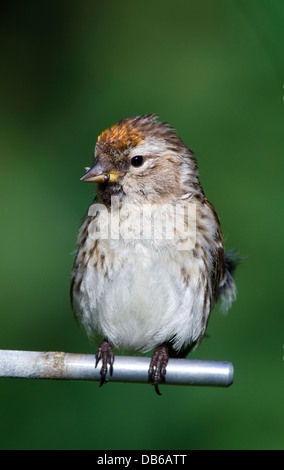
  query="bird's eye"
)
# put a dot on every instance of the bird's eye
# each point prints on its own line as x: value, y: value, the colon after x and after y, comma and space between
x: 137, y: 161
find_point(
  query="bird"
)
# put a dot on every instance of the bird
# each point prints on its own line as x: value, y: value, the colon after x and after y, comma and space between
x: 151, y: 285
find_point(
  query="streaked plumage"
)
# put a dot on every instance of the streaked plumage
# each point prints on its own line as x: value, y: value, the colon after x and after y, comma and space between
x: 141, y: 294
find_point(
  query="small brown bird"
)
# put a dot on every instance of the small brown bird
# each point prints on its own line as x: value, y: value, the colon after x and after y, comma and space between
x: 151, y: 263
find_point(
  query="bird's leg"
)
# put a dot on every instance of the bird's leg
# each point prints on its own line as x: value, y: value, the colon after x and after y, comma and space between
x: 158, y: 364
x: 105, y: 353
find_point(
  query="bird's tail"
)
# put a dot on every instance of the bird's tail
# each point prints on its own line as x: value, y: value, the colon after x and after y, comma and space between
x: 228, y: 290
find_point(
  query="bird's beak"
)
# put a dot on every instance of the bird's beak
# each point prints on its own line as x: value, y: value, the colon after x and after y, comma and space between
x: 95, y: 175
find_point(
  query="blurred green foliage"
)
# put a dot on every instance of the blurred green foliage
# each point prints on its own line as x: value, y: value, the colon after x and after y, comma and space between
x: 214, y: 70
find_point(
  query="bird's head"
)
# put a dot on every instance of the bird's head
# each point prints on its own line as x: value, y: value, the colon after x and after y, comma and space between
x: 143, y: 159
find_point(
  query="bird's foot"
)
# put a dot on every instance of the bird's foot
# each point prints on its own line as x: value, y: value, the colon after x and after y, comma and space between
x: 158, y: 364
x: 105, y: 354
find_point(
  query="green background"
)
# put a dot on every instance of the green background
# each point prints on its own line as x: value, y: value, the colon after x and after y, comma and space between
x: 214, y: 70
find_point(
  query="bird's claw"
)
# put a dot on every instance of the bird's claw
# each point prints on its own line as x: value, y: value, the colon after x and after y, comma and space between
x: 158, y: 364
x: 105, y: 354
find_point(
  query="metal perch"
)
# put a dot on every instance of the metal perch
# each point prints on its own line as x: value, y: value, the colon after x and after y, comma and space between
x: 70, y: 366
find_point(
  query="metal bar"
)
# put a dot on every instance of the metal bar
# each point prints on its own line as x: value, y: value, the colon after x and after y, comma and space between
x: 69, y: 366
